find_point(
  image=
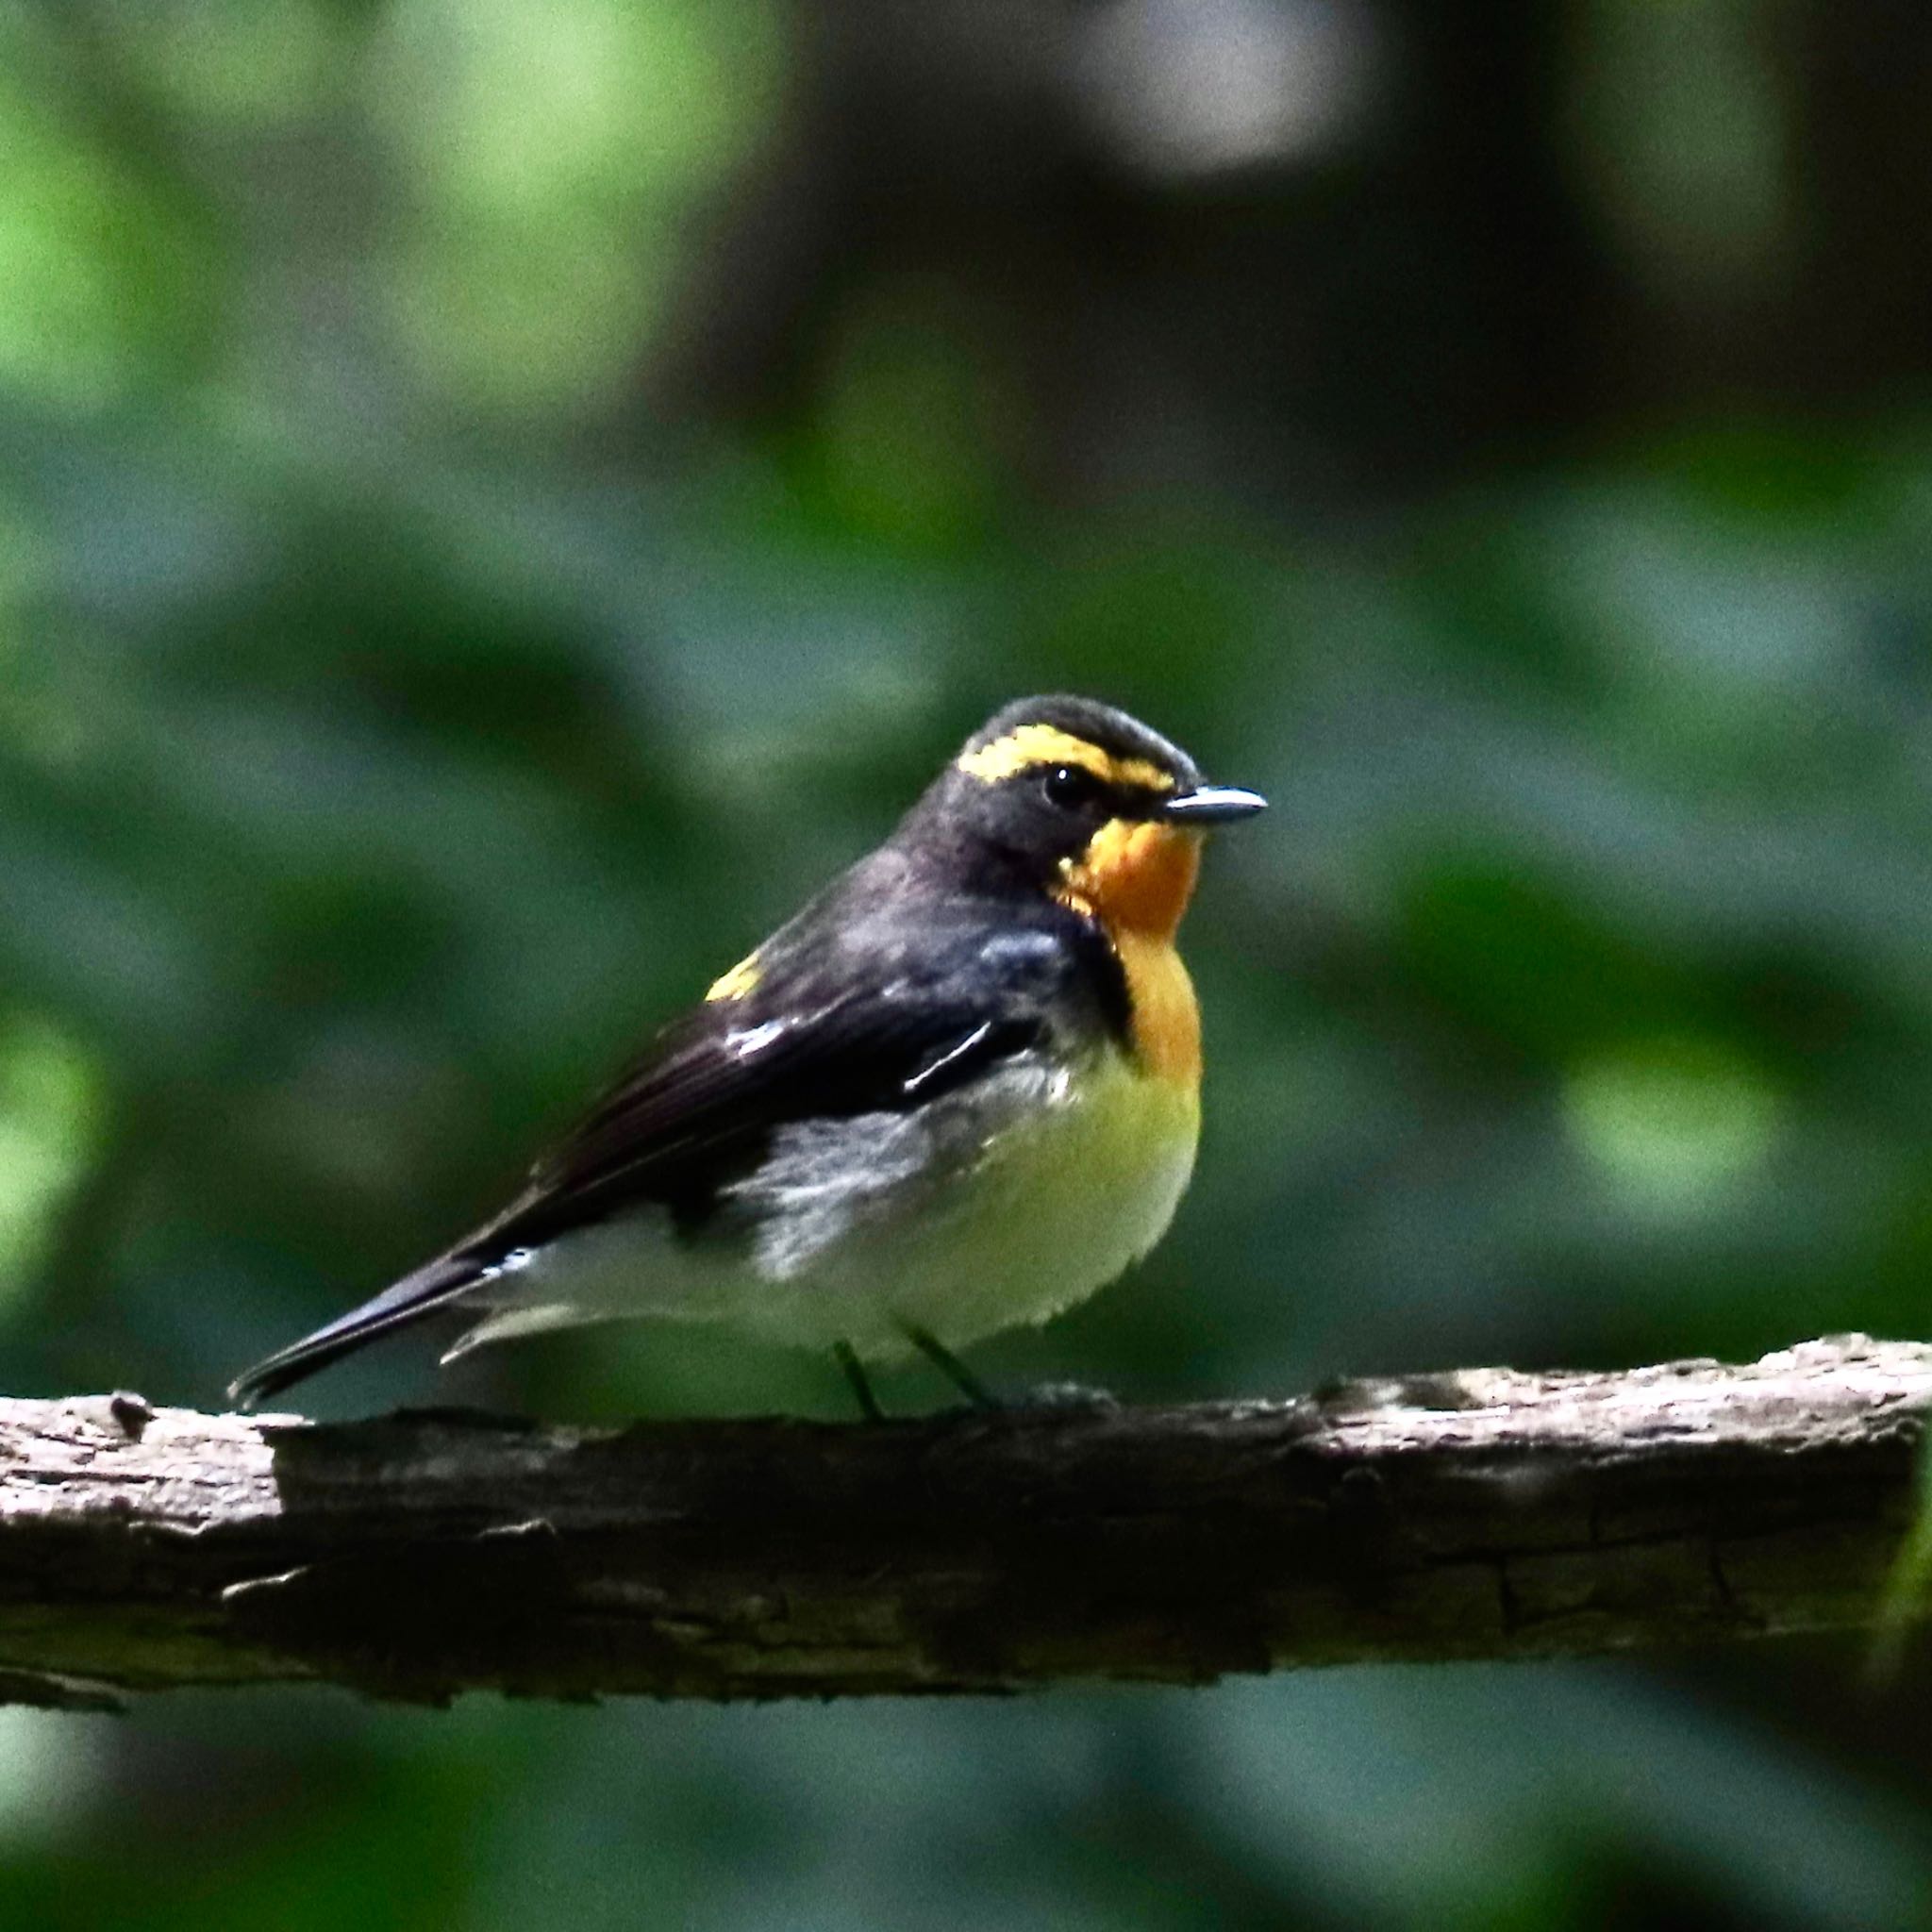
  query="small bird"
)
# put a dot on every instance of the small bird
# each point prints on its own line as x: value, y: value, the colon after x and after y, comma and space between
x: 957, y: 1092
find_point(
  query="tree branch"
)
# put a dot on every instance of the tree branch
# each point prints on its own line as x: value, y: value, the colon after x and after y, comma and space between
x: 1481, y: 1513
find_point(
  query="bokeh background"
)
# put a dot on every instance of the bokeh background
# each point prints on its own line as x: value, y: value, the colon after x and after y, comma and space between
x: 496, y: 501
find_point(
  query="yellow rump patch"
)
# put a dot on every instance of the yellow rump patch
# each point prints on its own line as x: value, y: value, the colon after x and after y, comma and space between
x: 1030, y: 746
x: 742, y: 979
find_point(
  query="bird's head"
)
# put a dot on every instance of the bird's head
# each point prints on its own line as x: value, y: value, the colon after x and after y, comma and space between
x: 1082, y: 801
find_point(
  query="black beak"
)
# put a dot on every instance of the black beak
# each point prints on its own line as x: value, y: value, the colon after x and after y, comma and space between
x: 1212, y: 804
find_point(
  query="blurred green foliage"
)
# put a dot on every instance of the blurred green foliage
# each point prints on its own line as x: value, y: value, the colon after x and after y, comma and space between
x: 498, y: 502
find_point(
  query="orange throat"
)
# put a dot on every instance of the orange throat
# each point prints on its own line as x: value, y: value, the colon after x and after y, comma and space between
x: 1135, y: 880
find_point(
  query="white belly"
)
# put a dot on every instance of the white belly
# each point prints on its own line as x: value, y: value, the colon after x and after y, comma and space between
x: 1048, y: 1186
x: 1057, y: 1204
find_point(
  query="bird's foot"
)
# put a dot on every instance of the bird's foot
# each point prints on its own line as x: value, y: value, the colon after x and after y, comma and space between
x: 1072, y: 1395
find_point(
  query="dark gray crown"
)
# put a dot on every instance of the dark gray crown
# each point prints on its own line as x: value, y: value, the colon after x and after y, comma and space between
x: 1114, y: 731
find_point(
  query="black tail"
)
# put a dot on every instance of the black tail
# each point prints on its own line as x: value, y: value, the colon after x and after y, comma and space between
x: 415, y: 1296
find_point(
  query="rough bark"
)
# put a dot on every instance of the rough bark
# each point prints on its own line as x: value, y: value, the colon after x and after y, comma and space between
x: 1480, y: 1514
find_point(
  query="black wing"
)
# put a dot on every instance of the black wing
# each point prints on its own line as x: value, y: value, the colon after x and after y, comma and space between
x: 817, y: 1038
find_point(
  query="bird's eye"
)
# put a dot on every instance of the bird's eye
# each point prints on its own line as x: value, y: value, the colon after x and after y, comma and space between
x: 1071, y: 786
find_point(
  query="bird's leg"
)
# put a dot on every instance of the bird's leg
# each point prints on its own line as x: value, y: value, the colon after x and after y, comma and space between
x: 953, y: 1369
x: 868, y: 1402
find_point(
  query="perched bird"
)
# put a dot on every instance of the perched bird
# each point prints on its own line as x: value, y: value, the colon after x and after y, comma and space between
x: 957, y: 1092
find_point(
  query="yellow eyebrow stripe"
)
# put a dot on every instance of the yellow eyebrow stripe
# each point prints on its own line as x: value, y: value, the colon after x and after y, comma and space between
x: 1027, y: 745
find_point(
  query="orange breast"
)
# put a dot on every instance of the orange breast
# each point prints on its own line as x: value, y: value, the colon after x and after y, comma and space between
x: 1166, y: 1016
x: 1136, y: 879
